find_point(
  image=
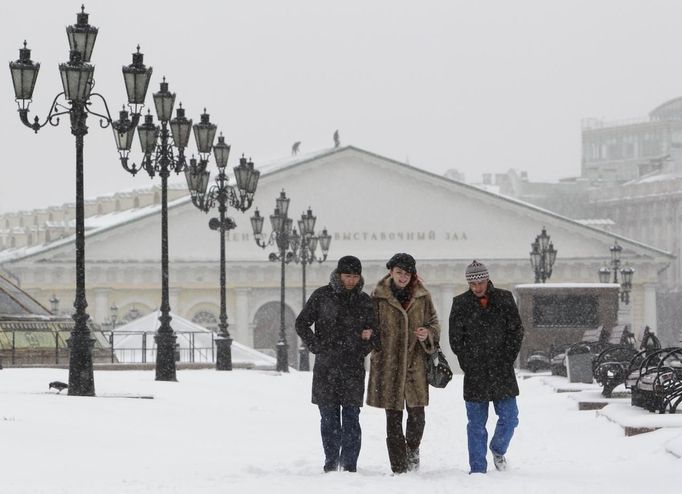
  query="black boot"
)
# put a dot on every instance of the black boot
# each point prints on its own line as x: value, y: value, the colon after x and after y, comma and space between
x: 412, y: 459
x: 397, y: 454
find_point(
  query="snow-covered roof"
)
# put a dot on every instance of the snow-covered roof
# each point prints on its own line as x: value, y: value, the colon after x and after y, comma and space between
x: 102, y: 223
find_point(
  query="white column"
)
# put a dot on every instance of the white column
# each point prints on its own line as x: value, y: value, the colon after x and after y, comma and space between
x: 240, y: 331
x: 650, y: 306
x: 101, y: 306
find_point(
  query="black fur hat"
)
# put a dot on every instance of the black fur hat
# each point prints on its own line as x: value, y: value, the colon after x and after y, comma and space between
x: 349, y: 265
x: 403, y: 261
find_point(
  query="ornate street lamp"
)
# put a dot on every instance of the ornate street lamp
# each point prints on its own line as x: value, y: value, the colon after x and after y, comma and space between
x: 626, y: 273
x: 157, y: 145
x: 542, y: 257
x: 221, y: 194
x: 281, y: 235
x: 304, y: 246
x: 77, y: 82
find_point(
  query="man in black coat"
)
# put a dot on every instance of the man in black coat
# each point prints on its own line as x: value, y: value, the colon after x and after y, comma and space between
x: 345, y: 332
x: 486, y: 334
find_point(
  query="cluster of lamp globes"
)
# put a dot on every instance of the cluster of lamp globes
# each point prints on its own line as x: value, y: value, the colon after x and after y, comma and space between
x: 155, y: 141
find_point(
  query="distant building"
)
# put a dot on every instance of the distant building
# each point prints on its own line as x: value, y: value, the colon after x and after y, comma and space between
x: 444, y: 223
x: 618, y: 152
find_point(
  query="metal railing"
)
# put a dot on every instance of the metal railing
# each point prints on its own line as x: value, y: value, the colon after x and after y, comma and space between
x: 35, y: 347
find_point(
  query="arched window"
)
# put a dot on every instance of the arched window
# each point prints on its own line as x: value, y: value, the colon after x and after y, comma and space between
x: 206, y: 319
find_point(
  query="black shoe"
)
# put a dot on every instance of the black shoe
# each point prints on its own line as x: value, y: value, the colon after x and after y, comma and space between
x: 397, y: 454
x: 500, y: 462
x: 348, y: 468
x: 331, y: 467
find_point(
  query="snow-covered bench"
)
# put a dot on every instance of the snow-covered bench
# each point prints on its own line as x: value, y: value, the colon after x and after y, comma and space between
x: 657, y: 384
x: 613, y: 365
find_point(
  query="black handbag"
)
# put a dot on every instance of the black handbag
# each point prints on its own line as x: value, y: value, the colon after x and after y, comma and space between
x: 438, y: 372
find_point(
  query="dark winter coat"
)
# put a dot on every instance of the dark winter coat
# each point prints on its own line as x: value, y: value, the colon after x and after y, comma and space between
x: 398, y: 372
x: 486, y: 342
x: 339, y: 317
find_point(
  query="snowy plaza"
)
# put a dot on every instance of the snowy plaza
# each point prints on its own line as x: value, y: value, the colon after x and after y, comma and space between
x: 257, y: 432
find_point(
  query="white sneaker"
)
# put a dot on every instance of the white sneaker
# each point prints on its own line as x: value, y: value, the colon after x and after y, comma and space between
x: 500, y: 462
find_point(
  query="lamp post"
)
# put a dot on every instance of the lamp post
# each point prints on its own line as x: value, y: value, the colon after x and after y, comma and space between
x: 157, y: 146
x: 221, y: 195
x: 542, y: 257
x: 75, y: 101
x: 626, y: 273
x: 281, y: 236
x: 304, y: 246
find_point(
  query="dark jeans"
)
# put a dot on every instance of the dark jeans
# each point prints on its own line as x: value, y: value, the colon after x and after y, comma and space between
x: 341, y: 436
x: 477, y: 434
x: 415, y: 426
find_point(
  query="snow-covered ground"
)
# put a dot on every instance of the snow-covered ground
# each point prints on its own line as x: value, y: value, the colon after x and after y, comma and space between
x: 248, y: 432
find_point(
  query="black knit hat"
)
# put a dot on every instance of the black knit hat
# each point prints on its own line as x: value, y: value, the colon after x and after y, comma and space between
x: 349, y: 265
x: 403, y: 261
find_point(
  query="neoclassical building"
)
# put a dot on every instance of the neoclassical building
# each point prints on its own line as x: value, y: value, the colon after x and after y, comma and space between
x: 372, y: 206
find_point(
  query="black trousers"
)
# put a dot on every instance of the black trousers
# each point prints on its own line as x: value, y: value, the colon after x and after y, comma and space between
x: 341, y: 436
x: 416, y: 421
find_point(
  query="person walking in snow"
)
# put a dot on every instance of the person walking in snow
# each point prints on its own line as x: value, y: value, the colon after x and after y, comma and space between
x: 345, y: 332
x: 409, y: 331
x: 486, y: 334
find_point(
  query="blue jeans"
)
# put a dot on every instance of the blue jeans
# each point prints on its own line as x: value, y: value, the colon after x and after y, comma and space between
x: 341, y: 436
x: 477, y: 435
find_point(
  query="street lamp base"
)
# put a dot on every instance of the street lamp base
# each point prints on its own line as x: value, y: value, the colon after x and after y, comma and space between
x: 165, y: 356
x: 223, y: 360
x: 303, y: 359
x: 81, y: 378
x: 282, y: 357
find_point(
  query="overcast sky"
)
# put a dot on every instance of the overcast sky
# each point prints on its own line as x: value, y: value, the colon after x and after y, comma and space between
x: 480, y: 86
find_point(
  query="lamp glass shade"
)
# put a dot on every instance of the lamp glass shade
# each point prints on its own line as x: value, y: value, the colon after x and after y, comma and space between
x: 615, y: 252
x: 535, y: 259
x: 627, y: 276
x: 544, y: 239
x: 309, y: 222
x: 551, y: 255
x: 180, y: 128
x: 148, y: 133
x: 221, y: 151
x: 257, y: 223
x: 288, y: 225
x: 123, y: 131
x: 197, y: 181
x: 282, y: 203
x: 136, y: 77
x: 251, y: 179
x: 24, y: 74
x: 242, y: 175
x: 325, y: 240
x: 295, y: 239
x: 276, y: 221
x: 604, y: 275
x: 76, y: 78
x: 312, y: 244
x: 82, y: 36
x: 204, y: 134
x: 164, y: 101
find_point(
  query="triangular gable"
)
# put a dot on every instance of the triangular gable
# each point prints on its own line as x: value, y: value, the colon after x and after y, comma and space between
x: 373, y: 206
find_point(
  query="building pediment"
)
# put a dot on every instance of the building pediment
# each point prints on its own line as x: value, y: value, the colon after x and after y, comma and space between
x: 372, y: 206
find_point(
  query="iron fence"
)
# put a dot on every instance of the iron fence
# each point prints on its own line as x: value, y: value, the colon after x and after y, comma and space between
x: 36, y: 347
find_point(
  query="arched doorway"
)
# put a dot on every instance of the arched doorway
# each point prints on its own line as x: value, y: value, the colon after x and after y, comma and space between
x: 266, y: 330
